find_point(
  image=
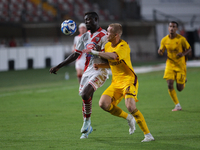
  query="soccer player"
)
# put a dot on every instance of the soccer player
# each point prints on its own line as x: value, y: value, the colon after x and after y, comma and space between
x: 177, y: 48
x: 124, y: 80
x: 80, y: 61
x: 92, y: 79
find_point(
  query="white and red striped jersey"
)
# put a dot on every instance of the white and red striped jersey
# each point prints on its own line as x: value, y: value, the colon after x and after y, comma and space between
x: 89, y: 41
x: 82, y: 57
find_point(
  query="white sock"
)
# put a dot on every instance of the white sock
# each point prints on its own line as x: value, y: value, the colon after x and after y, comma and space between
x: 178, y: 105
x: 129, y: 117
x: 86, y: 119
x: 148, y: 134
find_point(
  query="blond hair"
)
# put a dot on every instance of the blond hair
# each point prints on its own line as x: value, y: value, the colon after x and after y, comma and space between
x: 116, y: 28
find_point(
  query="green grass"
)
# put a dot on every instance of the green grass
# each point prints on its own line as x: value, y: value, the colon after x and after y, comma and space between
x: 40, y: 111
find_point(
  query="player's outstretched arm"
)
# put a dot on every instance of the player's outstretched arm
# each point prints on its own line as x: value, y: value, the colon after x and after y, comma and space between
x: 105, y: 55
x: 54, y: 70
x: 102, y: 65
x: 67, y: 61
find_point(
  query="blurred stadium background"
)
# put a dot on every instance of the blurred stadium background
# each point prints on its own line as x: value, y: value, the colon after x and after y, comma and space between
x: 31, y: 38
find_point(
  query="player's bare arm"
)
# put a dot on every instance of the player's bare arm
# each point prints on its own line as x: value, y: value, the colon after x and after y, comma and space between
x: 102, y: 65
x: 105, y: 55
x: 160, y: 52
x: 186, y: 52
x: 68, y: 60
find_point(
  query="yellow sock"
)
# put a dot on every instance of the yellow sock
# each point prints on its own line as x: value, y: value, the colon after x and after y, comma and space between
x: 139, y: 118
x: 116, y: 111
x: 173, y: 96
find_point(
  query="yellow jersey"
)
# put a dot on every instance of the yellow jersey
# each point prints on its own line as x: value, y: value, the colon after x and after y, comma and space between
x: 122, y: 70
x: 173, y: 47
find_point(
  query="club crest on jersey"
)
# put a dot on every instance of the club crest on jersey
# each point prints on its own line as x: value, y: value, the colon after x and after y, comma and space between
x: 97, y: 39
x: 128, y: 89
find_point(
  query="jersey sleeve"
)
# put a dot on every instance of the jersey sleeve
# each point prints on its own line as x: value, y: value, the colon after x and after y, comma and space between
x: 79, y: 45
x: 162, y: 45
x: 104, y: 41
x: 185, y: 43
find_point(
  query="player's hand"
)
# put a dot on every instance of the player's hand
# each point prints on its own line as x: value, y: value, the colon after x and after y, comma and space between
x: 53, y: 70
x: 87, y: 51
x: 96, y: 67
x: 90, y: 51
x: 179, y: 55
x: 97, y: 48
x: 160, y: 52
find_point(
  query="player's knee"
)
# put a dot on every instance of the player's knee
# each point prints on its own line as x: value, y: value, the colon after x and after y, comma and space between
x: 105, y: 102
x: 79, y: 73
x: 130, y: 104
x: 170, y: 86
x: 131, y: 108
x: 85, y: 96
x: 180, y: 88
x: 103, y: 105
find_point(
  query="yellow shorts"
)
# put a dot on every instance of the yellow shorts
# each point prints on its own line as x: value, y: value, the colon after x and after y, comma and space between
x: 117, y: 94
x: 179, y: 76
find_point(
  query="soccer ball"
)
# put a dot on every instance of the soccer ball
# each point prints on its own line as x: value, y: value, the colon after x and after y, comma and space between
x: 68, y: 27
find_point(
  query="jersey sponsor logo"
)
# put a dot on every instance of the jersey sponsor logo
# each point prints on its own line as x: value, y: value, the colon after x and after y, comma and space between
x: 173, y: 51
x: 90, y: 45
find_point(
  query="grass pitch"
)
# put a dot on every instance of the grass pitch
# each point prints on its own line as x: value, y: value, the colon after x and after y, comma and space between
x: 40, y: 111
